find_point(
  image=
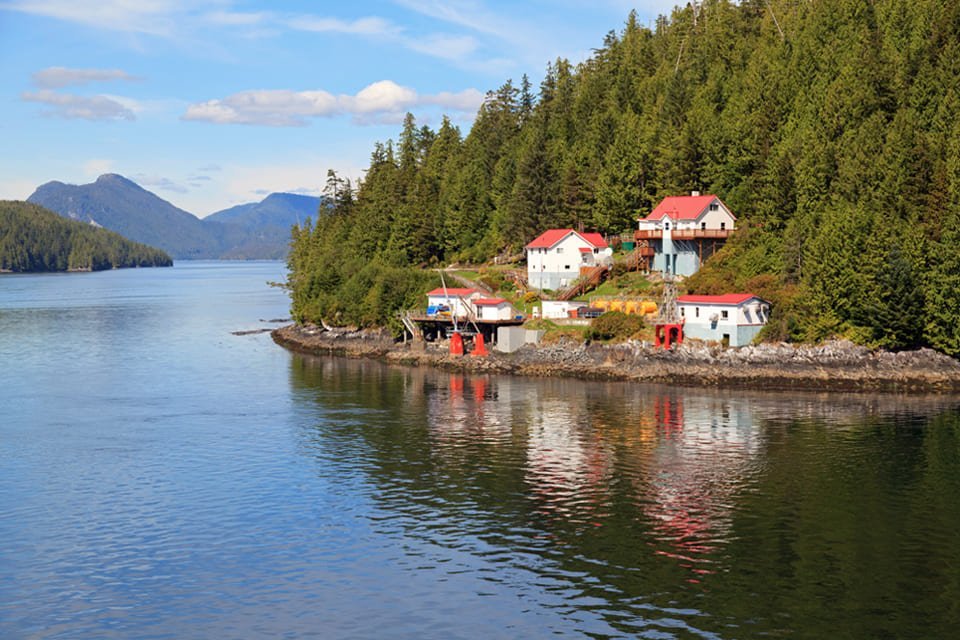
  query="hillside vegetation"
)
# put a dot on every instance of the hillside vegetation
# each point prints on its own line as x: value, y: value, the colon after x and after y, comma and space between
x: 830, y: 128
x: 34, y: 239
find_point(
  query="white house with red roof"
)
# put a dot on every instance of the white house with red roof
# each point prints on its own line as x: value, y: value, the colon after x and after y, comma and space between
x: 460, y: 303
x: 683, y: 231
x: 493, y: 309
x: 557, y: 256
x: 733, y: 318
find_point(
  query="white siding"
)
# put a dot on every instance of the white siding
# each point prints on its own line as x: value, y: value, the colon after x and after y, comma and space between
x: 457, y: 307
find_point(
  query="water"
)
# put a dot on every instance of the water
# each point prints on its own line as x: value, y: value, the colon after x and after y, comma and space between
x: 162, y: 478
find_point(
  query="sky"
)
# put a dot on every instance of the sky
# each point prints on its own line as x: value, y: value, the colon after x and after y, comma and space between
x: 212, y: 103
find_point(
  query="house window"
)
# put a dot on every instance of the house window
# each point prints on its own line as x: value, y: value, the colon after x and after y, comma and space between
x: 683, y: 312
x: 567, y: 267
x: 595, y: 250
x: 723, y: 225
x: 725, y: 314
x: 559, y: 249
x: 714, y: 207
x: 666, y: 225
x: 703, y: 225
x: 696, y: 312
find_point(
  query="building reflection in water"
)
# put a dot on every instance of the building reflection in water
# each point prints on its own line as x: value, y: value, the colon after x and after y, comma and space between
x: 701, y: 453
x: 684, y: 458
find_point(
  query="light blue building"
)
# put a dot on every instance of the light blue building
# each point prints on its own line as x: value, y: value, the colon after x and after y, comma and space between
x: 682, y: 232
x: 733, y: 319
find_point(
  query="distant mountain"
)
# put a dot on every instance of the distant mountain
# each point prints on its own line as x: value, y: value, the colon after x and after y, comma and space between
x: 267, y: 223
x: 123, y: 206
x: 276, y: 210
x: 35, y: 239
x: 256, y: 230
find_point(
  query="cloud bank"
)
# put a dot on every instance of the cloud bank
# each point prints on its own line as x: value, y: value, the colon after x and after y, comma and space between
x: 59, y: 77
x: 378, y: 102
x: 71, y: 106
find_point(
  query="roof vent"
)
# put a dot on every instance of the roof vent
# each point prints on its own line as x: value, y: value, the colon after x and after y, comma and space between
x: 694, y: 193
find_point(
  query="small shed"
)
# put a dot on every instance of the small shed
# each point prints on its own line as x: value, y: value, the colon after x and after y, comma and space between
x: 556, y: 309
x: 493, y: 309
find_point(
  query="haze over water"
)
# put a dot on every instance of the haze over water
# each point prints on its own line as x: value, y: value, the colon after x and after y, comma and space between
x: 162, y: 478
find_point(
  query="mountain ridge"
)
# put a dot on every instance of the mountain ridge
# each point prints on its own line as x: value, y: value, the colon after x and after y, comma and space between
x: 256, y: 230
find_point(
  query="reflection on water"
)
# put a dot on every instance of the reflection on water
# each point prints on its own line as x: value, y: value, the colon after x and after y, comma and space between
x: 661, y: 512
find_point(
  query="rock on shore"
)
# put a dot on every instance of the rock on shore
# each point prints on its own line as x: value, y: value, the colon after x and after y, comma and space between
x: 837, y: 365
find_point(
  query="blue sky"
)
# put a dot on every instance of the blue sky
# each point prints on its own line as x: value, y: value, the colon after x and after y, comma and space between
x: 210, y: 103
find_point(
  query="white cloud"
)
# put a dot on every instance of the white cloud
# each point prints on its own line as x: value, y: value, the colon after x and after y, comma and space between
x: 154, y: 17
x: 369, y: 26
x: 59, y: 77
x: 443, y: 46
x: 235, y: 18
x: 72, y: 106
x: 384, y: 96
x: 378, y: 102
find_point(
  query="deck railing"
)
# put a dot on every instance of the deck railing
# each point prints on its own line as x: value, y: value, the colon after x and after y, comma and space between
x: 682, y: 234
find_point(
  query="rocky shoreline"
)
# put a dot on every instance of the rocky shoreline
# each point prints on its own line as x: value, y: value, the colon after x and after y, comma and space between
x: 834, y: 366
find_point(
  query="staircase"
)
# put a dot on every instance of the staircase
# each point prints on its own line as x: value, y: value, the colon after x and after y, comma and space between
x: 590, y: 280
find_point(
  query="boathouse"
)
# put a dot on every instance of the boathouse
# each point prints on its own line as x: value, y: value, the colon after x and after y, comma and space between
x: 452, y: 302
x: 682, y: 232
x: 733, y: 319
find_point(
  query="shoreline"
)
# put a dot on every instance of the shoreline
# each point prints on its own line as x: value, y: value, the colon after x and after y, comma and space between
x: 835, y: 366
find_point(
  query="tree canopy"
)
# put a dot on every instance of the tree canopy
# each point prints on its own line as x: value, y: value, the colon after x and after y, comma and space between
x: 35, y: 239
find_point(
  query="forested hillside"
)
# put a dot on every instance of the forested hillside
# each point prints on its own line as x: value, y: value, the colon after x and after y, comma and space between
x: 34, y: 239
x: 830, y: 127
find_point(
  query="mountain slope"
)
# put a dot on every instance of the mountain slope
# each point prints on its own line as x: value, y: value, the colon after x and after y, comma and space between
x: 266, y: 223
x: 123, y: 206
x: 35, y: 239
x: 258, y: 230
x: 276, y: 210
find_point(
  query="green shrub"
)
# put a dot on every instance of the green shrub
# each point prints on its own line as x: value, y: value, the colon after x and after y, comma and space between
x: 615, y: 325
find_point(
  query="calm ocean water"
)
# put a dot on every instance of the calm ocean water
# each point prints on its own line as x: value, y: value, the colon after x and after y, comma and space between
x: 163, y: 478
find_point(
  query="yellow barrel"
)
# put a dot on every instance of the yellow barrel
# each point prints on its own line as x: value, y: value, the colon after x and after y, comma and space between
x: 601, y: 303
x: 616, y: 305
x: 648, y: 308
x: 632, y: 307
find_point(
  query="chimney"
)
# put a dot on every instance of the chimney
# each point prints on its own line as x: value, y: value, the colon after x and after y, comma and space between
x: 694, y: 193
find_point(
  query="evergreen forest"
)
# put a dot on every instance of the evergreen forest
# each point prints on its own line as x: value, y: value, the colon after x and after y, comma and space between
x: 35, y: 239
x: 831, y: 128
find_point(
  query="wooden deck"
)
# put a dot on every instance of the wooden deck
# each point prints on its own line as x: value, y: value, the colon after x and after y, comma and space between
x: 684, y: 234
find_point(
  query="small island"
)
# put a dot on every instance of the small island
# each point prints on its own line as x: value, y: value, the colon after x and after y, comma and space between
x: 33, y: 239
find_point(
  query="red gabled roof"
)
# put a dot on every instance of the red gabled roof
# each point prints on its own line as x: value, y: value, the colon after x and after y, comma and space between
x: 595, y: 239
x: 480, y: 302
x: 551, y: 237
x: 684, y: 207
x: 727, y: 298
x: 452, y: 292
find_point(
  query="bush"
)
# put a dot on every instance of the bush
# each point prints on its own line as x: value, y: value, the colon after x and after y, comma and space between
x: 615, y: 325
